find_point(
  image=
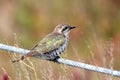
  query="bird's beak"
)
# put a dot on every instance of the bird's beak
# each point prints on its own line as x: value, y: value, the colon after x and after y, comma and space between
x: 72, y: 27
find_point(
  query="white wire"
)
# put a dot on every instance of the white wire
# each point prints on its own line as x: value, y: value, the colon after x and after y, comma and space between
x: 66, y: 61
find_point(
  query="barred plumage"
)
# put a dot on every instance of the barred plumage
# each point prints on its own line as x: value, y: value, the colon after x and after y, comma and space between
x: 54, y: 53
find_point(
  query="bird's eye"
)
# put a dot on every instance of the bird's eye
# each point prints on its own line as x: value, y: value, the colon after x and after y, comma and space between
x: 64, y: 29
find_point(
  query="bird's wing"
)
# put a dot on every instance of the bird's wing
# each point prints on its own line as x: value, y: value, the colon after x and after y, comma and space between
x: 49, y: 43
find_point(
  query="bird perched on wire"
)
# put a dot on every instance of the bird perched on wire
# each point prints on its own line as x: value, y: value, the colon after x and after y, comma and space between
x: 52, y: 45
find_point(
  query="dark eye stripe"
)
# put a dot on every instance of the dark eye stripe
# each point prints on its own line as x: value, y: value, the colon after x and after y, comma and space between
x: 64, y: 29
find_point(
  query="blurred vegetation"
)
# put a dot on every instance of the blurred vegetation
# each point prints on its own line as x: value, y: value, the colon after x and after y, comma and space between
x: 96, y: 40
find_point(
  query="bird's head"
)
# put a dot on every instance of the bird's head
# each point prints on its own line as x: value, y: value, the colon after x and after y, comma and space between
x: 63, y: 29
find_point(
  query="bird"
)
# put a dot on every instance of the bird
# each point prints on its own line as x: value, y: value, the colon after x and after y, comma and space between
x: 52, y: 45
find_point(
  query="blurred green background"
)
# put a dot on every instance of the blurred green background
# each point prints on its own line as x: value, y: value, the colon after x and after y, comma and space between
x: 96, y: 40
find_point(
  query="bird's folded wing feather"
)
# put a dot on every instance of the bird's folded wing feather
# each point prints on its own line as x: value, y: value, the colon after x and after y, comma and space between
x: 48, y: 44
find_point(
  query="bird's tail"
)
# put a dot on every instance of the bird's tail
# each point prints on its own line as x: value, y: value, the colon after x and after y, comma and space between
x: 20, y: 59
x: 29, y: 54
